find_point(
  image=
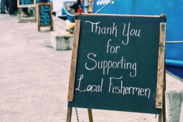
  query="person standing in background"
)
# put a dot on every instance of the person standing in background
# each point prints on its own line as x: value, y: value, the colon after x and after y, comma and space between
x: 7, y: 6
x: 12, y: 7
x: 77, y: 7
x: 3, y: 2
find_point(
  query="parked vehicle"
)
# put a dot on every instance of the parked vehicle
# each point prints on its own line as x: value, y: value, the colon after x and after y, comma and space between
x: 65, y: 8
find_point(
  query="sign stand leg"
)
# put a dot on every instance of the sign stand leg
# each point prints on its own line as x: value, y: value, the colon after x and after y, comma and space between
x: 19, y: 16
x: 38, y: 28
x: 162, y: 116
x: 90, y: 115
x: 69, y: 114
x: 51, y: 28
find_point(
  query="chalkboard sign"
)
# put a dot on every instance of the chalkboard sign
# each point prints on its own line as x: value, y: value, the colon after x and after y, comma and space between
x: 45, y: 15
x: 116, y: 63
x: 26, y: 3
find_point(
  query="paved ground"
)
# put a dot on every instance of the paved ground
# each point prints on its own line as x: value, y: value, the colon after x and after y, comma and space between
x: 34, y: 79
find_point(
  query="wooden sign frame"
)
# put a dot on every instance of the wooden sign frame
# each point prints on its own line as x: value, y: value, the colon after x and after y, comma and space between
x: 25, y: 6
x: 20, y: 20
x: 29, y: 19
x: 161, y: 63
x: 38, y: 6
x: 161, y: 74
x: 73, y: 71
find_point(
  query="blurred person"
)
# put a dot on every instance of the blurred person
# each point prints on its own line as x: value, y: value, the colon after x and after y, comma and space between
x: 2, y: 8
x: 7, y: 6
x: 77, y: 7
x: 12, y: 7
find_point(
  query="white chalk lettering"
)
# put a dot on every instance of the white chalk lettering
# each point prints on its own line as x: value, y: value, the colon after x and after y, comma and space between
x: 78, y: 89
x: 112, y: 48
x: 129, y: 32
x: 146, y: 92
x: 90, y: 88
x: 107, y: 65
x: 103, y: 30
x: 92, y: 60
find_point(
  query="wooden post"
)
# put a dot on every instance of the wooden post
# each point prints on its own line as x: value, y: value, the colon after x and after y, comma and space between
x: 73, y: 68
x: 38, y: 17
x: 161, y: 62
x: 19, y: 14
x: 69, y: 114
x: 74, y: 60
x: 51, y: 27
x: 38, y: 28
x: 90, y: 115
x: 161, y: 76
x: 162, y: 116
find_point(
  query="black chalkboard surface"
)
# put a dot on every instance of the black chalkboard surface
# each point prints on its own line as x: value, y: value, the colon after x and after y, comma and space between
x: 26, y: 3
x: 117, y: 63
x: 44, y: 15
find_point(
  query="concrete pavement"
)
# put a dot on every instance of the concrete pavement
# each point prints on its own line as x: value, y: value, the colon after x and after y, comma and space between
x: 34, y: 79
